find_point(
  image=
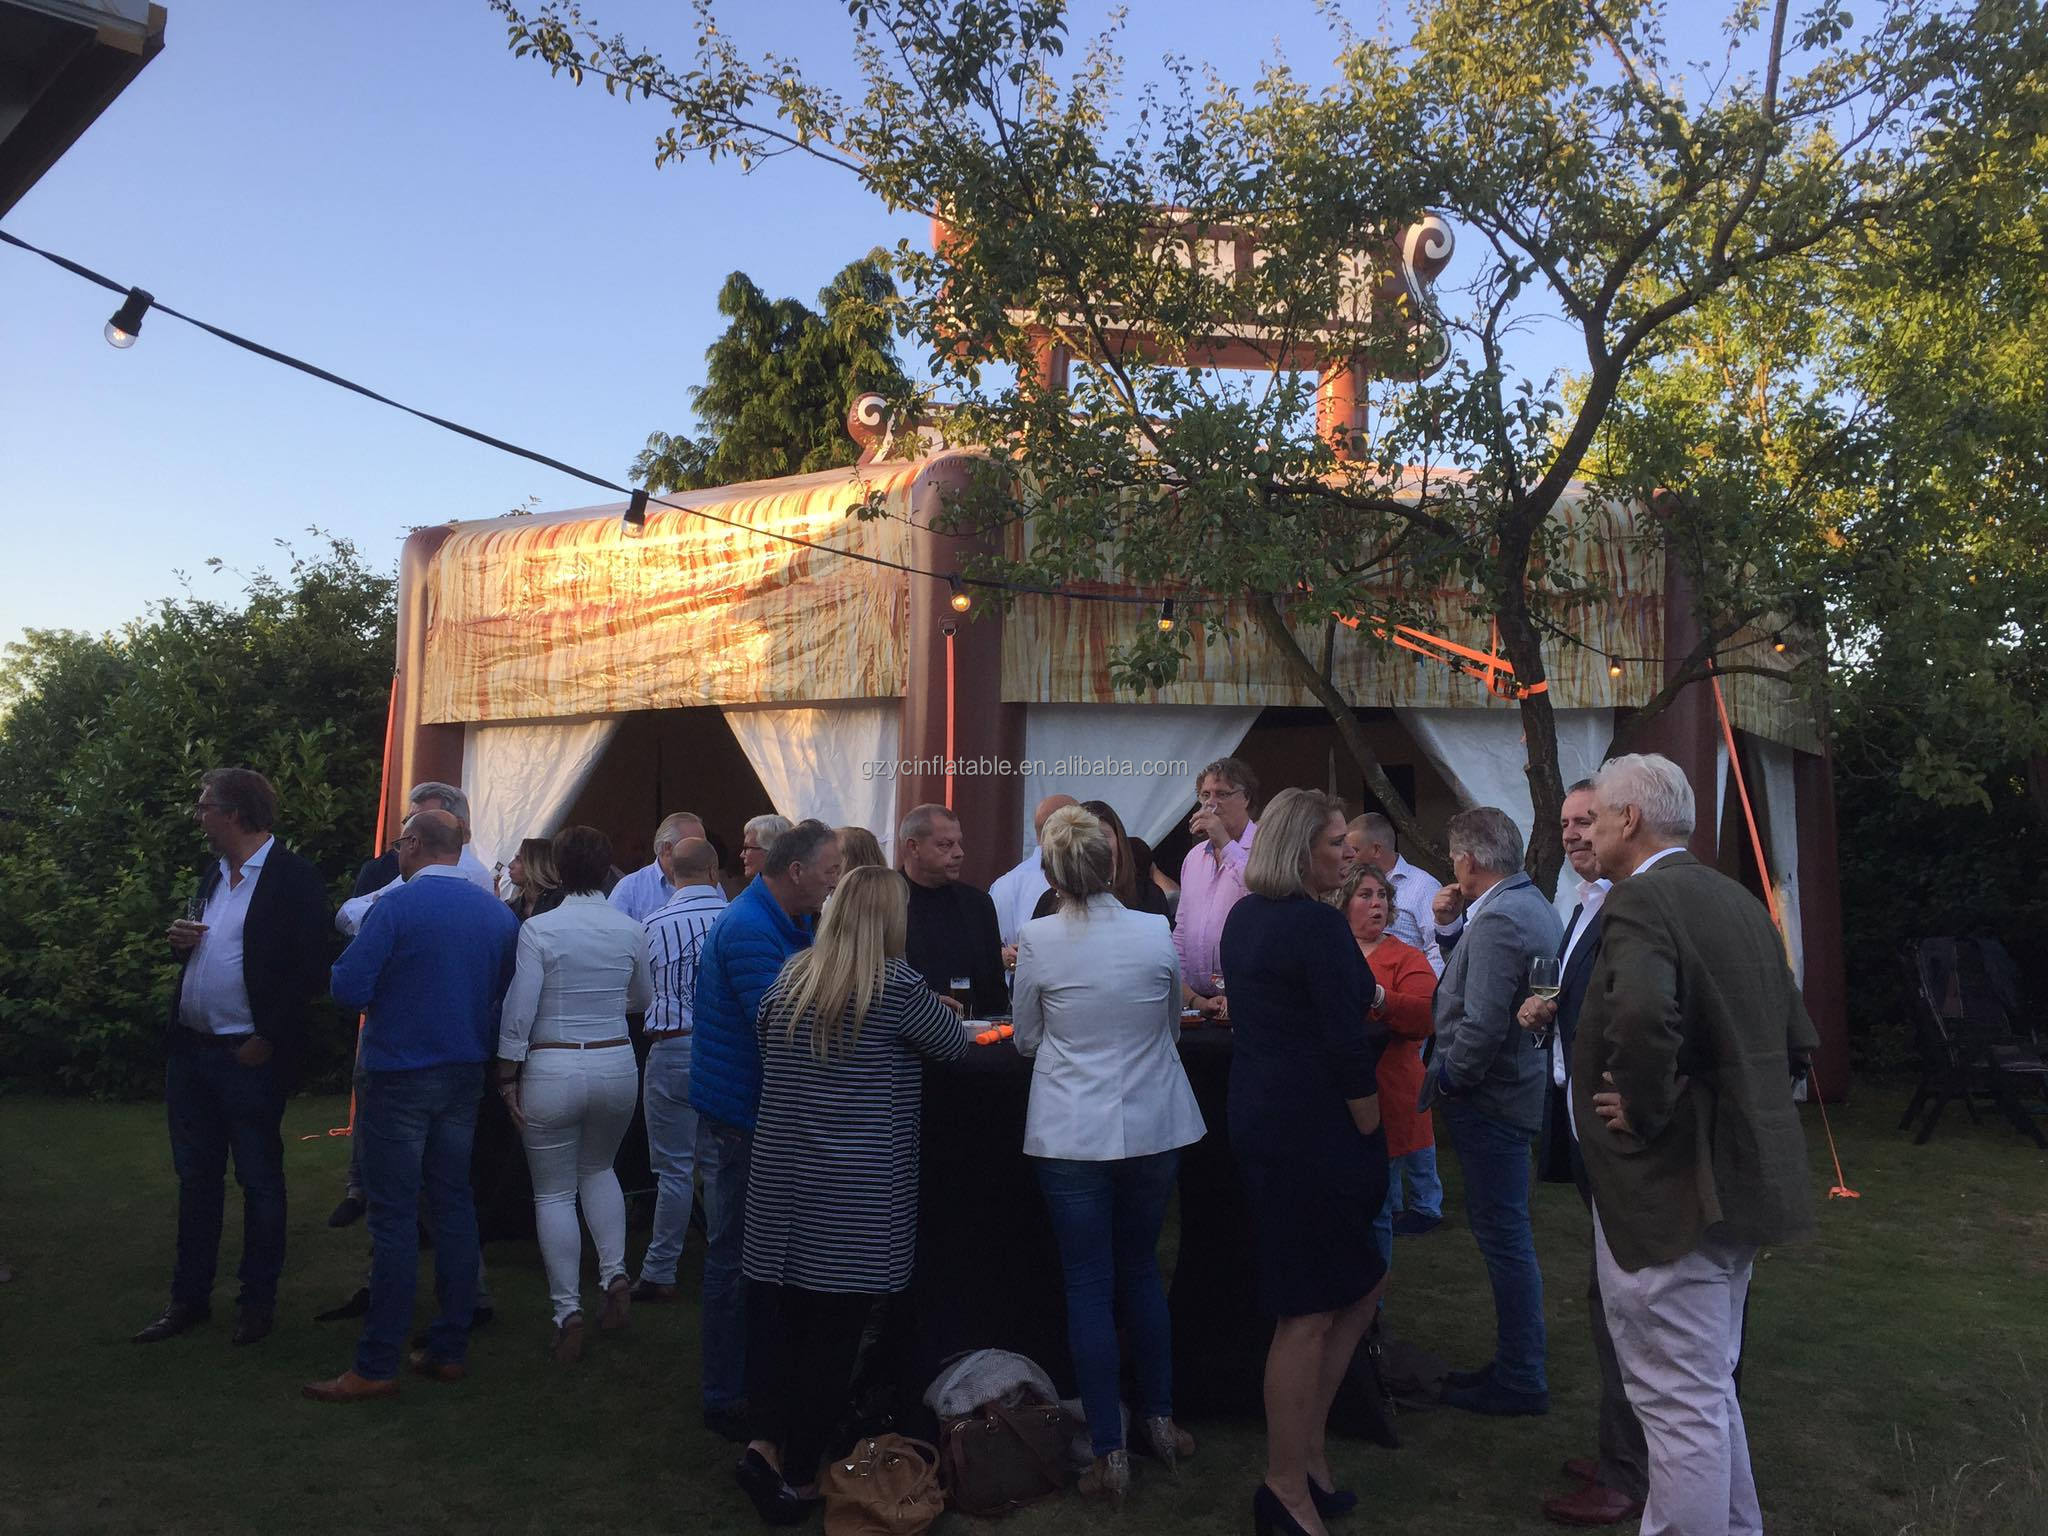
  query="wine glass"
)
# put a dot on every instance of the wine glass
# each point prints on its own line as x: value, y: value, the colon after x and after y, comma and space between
x: 1546, y: 977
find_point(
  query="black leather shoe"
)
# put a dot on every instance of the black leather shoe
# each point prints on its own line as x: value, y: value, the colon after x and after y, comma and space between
x: 1415, y: 1224
x: 357, y: 1305
x: 727, y: 1424
x: 1455, y: 1381
x: 252, y: 1327
x: 348, y: 1213
x: 173, y: 1320
x: 774, y: 1500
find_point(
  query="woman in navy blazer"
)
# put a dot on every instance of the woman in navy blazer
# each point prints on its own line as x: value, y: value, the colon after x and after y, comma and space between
x: 1098, y: 1004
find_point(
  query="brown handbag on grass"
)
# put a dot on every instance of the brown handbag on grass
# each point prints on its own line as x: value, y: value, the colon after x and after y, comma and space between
x: 885, y: 1486
x: 1000, y: 1457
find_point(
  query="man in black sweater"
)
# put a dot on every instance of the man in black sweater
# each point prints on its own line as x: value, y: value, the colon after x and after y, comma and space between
x: 953, y: 931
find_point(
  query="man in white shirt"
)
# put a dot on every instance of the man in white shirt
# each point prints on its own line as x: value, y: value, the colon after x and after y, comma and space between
x: 1612, y: 1484
x: 252, y: 959
x: 1371, y: 839
x: 675, y: 936
x: 428, y: 796
x: 1016, y: 893
x: 646, y: 891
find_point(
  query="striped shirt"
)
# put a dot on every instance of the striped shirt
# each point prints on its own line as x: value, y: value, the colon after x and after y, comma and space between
x: 675, y: 934
x: 832, y: 1193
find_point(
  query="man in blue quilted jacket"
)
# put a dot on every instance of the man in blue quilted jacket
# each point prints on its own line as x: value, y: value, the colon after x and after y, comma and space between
x: 743, y: 953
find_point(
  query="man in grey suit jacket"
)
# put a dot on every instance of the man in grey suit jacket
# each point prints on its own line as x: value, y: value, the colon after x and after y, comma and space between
x: 1491, y: 1079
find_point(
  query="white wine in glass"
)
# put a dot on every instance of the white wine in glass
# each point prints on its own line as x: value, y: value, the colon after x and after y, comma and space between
x: 1546, y: 976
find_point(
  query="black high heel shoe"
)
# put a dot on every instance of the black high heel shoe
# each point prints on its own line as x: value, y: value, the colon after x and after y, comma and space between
x: 1332, y: 1502
x: 1270, y: 1516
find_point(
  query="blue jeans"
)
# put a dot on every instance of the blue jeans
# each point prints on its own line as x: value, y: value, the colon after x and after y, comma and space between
x: 723, y: 1155
x: 671, y: 1147
x: 1425, y: 1189
x: 1495, y: 1158
x: 1106, y: 1218
x: 415, y: 1130
x: 217, y: 1107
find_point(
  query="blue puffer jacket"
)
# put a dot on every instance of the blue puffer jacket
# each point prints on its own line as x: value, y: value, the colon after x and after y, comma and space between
x: 742, y: 955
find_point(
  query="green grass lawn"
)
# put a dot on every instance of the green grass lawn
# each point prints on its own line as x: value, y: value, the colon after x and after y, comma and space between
x: 1893, y: 1381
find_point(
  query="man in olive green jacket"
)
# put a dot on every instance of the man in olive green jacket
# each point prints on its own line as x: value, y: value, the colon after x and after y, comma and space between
x: 1681, y: 1091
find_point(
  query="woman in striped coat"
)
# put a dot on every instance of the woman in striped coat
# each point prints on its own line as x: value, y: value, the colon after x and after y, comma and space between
x: 832, y: 1191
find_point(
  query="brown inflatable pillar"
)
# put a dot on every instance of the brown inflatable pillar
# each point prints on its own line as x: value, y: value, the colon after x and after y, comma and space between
x: 988, y: 735
x: 1687, y: 730
x: 418, y: 751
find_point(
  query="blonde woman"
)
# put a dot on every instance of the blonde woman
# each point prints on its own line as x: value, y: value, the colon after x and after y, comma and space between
x: 1305, y: 1130
x: 859, y: 848
x: 1098, y: 1005
x: 537, y: 887
x: 831, y: 1218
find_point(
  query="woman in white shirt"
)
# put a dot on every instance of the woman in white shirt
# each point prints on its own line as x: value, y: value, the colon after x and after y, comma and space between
x: 566, y: 1071
x: 1098, y: 1004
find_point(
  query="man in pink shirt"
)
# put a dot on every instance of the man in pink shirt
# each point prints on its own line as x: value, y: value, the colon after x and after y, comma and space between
x: 1212, y: 876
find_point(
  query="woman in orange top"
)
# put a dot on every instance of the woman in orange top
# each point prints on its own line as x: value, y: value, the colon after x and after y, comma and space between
x: 1407, y: 993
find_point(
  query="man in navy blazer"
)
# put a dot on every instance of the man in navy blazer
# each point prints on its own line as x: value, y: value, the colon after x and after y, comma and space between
x: 1613, y: 1484
x: 1491, y: 1080
x: 249, y: 966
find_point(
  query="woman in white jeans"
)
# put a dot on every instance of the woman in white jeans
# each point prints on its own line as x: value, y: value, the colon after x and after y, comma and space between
x: 566, y: 1071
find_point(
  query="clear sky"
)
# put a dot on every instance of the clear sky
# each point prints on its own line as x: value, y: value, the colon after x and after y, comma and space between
x: 379, y: 187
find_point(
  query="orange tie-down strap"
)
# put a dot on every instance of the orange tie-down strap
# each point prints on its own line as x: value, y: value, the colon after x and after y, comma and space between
x: 1841, y: 1189
x: 1488, y: 666
x: 994, y: 1033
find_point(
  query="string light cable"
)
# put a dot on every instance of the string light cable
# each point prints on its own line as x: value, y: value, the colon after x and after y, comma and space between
x: 135, y: 302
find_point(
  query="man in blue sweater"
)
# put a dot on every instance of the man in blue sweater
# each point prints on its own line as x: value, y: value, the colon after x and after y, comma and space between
x: 430, y: 968
x: 767, y: 923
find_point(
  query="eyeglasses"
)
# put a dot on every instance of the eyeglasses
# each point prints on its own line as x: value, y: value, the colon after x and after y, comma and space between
x: 1235, y: 791
x: 410, y: 837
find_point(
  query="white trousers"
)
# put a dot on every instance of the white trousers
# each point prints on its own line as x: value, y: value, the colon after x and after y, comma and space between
x: 577, y: 1106
x: 1677, y: 1332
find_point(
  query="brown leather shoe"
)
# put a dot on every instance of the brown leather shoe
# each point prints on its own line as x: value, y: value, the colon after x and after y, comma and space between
x: 1591, y: 1505
x: 1582, y: 1469
x: 618, y: 1305
x: 348, y: 1387
x: 426, y: 1365
x: 569, y: 1341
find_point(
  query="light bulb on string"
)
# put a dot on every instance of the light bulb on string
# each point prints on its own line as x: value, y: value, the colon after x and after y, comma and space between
x: 633, y: 521
x: 1166, y: 620
x: 1614, y: 666
x: 960, y: 600
x: 1779, y: 643
x: 126, y: 323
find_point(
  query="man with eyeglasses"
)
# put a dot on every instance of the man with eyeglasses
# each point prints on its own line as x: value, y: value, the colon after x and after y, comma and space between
x: 1212, y: 876
x: 252, y: 955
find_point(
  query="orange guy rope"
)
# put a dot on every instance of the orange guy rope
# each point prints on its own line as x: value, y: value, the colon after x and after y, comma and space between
x: 1841, y: 1189
x: 383, y: 804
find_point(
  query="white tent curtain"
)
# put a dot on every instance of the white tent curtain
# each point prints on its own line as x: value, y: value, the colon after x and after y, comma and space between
x: 523, y: 775
x: 1481, y: 755
x: 1143, y: 760
x: 1774, y: 767
x: 832, y: 761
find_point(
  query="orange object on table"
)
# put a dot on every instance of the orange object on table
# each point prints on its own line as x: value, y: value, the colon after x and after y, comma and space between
x: 995, y: 1033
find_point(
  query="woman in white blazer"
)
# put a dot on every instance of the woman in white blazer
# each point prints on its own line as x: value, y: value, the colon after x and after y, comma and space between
x: 1097, y: 1003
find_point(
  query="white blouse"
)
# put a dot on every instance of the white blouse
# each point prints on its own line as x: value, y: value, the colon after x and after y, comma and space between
x: 582, y: 968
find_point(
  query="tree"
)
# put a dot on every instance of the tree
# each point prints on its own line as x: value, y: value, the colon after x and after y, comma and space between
x: 102, y: 742
x: 1544, y: 131
x: 778, y: 382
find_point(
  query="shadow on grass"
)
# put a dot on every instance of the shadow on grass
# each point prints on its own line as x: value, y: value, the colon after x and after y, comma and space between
x: 1887, y: 1383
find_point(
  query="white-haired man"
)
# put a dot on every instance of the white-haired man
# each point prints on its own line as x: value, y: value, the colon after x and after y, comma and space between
x: 1691, y: 1141
x: 647, y: 890
x: 1017, y: 892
